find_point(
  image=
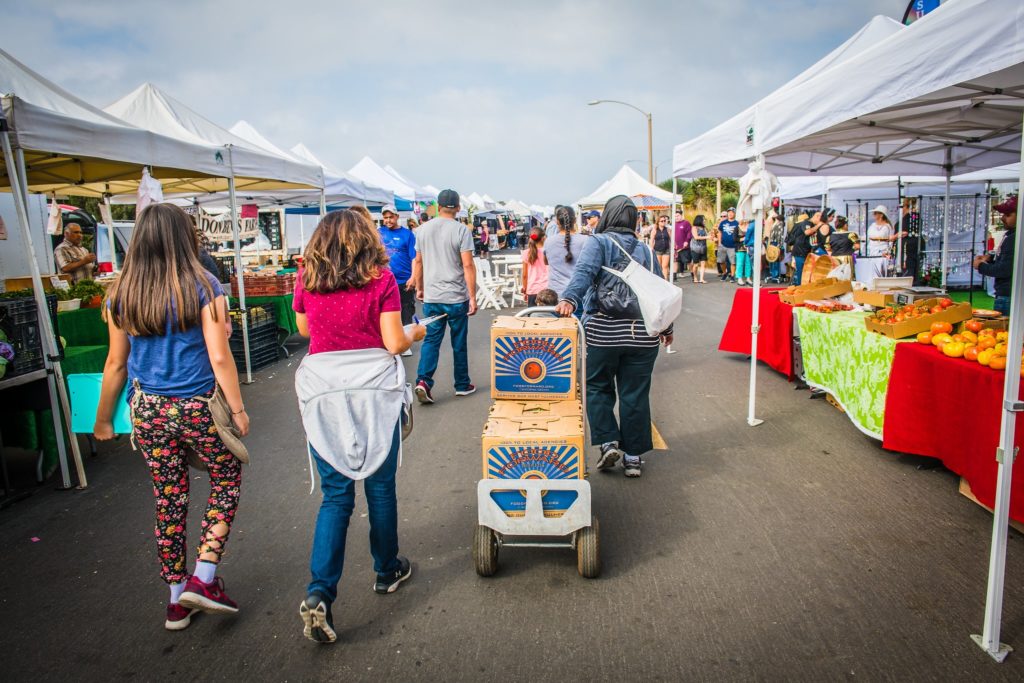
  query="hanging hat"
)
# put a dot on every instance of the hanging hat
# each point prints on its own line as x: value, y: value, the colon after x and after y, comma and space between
x: 881, y: 209
x: 772, y: 253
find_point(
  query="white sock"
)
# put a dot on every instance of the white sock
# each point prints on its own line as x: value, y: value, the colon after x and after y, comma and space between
x: 176, y: 590
x: 205, y: 571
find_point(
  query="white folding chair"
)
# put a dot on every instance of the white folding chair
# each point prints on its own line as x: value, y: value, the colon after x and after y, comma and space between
x: 489, y: 289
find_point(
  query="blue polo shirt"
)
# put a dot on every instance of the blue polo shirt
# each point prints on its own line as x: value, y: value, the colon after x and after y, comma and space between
x: 728, y: 230
x: 400, y: 244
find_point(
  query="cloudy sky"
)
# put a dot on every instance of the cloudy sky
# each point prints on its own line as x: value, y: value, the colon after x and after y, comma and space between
x: 479, y: 96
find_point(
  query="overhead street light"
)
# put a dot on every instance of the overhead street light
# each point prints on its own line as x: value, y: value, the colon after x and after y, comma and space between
x: 650, y: 135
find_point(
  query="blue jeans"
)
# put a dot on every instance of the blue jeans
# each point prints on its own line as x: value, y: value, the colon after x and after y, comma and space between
x: 774, y: 269
x: 1002, y: 304
x: 328, y: 556
x: 458, y: 319
x: 798, y: 266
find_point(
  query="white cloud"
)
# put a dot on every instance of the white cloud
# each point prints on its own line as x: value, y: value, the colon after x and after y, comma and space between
x: 482, y: 96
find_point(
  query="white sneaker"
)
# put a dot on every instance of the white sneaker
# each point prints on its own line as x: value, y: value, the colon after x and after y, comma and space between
x: 406, y: 353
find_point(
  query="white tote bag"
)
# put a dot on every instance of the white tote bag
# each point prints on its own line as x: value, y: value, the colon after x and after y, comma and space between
x: 660, y: 300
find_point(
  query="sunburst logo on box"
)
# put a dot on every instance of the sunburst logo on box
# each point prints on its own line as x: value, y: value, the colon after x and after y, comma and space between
x: 533, y: 364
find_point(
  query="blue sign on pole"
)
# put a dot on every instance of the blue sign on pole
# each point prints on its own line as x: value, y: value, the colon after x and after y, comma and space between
x: 918, y: 8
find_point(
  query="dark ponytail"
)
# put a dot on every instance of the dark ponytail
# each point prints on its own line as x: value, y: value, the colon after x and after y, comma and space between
x: 566, y: 218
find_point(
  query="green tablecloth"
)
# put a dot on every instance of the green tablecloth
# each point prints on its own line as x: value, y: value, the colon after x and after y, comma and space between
x: 842, y: 357
x: 84, y: 327
x: 282, y: 309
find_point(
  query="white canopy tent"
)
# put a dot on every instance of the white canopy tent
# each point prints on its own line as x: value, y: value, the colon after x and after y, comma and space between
x: 423, y: 194
x: 951, y: 103
x: 369, y: 171
x: 54, y: 142
x: 249, y: 168
x: 432, y: 190
x: 338, y: 183
x: 626, y: 181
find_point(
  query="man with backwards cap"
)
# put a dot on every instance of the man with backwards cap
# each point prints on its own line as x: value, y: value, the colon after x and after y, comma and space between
x: 400, y: 244
x: 445, y: 278
x: 1001, y: 267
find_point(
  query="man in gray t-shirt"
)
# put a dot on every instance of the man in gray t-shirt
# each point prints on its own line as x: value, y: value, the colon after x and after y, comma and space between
x: 445, y: 277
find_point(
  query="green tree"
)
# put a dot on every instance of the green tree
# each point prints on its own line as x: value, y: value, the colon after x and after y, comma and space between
x: 699, y: 193
x: 91, y: 205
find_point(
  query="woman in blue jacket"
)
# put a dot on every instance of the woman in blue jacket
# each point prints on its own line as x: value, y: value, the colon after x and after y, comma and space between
x: 620, y: 353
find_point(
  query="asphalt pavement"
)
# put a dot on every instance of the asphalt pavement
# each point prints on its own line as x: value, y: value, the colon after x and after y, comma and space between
x: 798, y: 550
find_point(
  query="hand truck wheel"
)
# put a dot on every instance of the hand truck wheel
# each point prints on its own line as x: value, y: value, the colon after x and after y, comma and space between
x: 485, y: 551
x: 588, y: 550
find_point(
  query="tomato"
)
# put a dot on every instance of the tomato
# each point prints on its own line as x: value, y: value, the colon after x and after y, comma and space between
x: 940, y: 328
x: 953, y: 349
x: 997, y: 363
x: 974, y: 325
x: 936, y: 309
x: 1002, y: 335
x: 899, y: 318
x: 958, y: 338
x: 969, y: 337
x: 940, y: 339
x: 971, y: 353
x: 924, y: 338
x: 1000, y: 349
x: 986, y: 342
x: 987, y: 332
x: 945, y: 303
x: 985, y: 357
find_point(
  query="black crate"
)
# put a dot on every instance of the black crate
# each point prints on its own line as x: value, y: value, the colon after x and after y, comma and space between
x: 264, y: 336
x: 260, y: 316
x: 23, y: 334
x: 259, y: 358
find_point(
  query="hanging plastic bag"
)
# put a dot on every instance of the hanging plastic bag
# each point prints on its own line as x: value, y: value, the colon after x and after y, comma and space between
x: 150, y: 192
x: 55, y: 222
x: 660, y: 301
x: 841, y: 272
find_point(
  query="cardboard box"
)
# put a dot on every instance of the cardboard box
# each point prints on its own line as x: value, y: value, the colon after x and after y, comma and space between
x: 911, y: 295
x: 533, y: 448
x: 880, y: 299
x: 15, y: 284
x: 527, y: 409
x: 823, y: 289
x: 534, y: 358
x: 908, y: 328
x: 998, y: 324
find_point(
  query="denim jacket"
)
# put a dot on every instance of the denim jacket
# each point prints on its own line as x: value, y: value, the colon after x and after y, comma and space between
x: 599, y: 251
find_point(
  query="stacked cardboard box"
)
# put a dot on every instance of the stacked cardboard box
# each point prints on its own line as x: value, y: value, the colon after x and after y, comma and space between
x: 535, y: 428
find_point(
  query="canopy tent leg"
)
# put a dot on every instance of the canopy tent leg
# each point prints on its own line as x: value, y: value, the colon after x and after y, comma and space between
x: 755, y: 325
x: 110, y: 233
x: 945, y: 217
x: 1005, y: 455
x: 672, y: 236
x: 302, y: 234
x: 899, y: 226
x: 718, y: 198
x: 60, y: 407
x: 323, y: 203
x: 240, y: 277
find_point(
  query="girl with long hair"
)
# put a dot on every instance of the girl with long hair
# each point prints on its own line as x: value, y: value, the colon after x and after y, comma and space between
x: 165, y: 315
x: 660, y: 242
x: 352, y: 393
x: 564, y: 250
x: 535, y: 267
x: 699, y: 249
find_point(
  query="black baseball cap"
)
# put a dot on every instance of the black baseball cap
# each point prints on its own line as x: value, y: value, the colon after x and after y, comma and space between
x: 448, y: 199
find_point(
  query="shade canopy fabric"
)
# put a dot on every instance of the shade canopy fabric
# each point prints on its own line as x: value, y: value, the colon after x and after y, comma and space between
x: 254, y: 168
x: 369, y: 171
x: 884, y: 115
x: 646, y: 201
x: 337, y: 182
x: 628, y: 182
x: 423, y: 194
x: 72, y: 147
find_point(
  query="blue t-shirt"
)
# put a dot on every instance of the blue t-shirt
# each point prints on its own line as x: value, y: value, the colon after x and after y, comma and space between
x: 750, y: 234
x: 177, y: 363
x: 400, y: 244
x: 728, y: 230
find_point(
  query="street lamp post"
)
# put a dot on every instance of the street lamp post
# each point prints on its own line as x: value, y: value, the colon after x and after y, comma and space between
x: 650, y: 133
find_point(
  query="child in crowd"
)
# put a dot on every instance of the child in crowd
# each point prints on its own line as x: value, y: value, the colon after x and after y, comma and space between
x: 165, y: 315
x: 535, y: 267
x: 547, y: 297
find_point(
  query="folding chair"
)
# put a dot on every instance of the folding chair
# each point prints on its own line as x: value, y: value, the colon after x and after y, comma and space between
x: 489, y: 289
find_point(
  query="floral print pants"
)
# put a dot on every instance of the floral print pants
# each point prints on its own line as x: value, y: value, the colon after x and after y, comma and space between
x: 165, y: 428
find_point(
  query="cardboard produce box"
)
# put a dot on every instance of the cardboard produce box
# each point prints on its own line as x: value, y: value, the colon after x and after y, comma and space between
x: 534, y: 358
x: 998, y: 324
x: 956, y: 313
x: 879, y: 299
x: 823, y: 289
x: 533, y: 448
x: 526, y: 409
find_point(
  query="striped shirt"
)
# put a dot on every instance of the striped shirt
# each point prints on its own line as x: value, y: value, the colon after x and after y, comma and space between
x: 605, y: 331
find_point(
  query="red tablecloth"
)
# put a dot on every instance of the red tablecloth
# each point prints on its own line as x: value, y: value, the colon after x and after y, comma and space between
x: 774, y: 342
x: 950, y: 409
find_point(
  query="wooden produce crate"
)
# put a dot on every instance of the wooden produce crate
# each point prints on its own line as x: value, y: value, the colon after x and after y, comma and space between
x: 823, y: 289
x: 265, y: 285
x: 956, y: 313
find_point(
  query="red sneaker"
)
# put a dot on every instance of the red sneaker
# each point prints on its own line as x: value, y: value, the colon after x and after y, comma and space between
x: 208, y: 597
x: 178, y: 617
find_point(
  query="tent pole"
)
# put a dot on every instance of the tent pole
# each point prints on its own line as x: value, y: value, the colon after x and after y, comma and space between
x: 945, y: 217
x: 672, y: 235
x: 239, y: 271
x: 323, y: 203
x: 302, y: 234
x: 110, y: 232
x: 899, y: 226
x: 1005, y: 455
x: 755, y: 326
x: 718, y: 198
x: 60, y: 407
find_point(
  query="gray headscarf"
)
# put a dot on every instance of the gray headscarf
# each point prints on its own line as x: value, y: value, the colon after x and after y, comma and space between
x: 619, y: 215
